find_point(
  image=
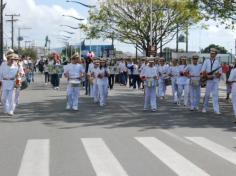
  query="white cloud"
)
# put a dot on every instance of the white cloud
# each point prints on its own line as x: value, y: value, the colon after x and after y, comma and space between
x: 44, y: 20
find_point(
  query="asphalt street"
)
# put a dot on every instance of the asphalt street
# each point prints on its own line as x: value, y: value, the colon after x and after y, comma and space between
x: 43, y: 139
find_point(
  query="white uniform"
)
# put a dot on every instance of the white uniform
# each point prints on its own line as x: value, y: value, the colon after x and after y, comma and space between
x: 232, y: 78
x: 195, y: 86
x: 8, y: 75
x: 183, y: 85
x: 150, y: 87
x: 103, y: 85
x: 212, y: 86
x: 90, y: 67
x: 74, y: 71
x: 94, y: 73
x: 174, y: 71
x: 163, y: 72
x: 21, y: 72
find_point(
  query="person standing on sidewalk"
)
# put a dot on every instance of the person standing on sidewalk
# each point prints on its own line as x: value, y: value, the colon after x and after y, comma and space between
x: 212, y: 71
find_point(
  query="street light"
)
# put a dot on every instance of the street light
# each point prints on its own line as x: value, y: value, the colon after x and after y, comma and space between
x: 80, y: 19
x: 85, y: 5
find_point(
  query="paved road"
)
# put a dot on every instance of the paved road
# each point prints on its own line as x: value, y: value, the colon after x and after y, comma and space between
x: 45, y: 140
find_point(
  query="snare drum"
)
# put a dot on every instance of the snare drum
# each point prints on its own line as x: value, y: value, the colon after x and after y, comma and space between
x: 195, y: 83
x: 74, y: 83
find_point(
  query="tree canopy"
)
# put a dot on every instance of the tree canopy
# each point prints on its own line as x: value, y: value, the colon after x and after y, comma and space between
x: 221, y: 49
x: 129, y: 21
x: 223, y: 11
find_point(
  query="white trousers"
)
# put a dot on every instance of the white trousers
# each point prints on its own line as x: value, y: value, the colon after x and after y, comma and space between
x: 174, y: 87
x: 102, y: 89
x: 73, y: 96
x: 234, y: 102
x: 17, y: 96
x: 195, y: 94
x: 8, y: 100
x: 183, y: 88
x: 212, y: 87
x: 95, y: 93
x: 161, y: 88
x: 150, y: 97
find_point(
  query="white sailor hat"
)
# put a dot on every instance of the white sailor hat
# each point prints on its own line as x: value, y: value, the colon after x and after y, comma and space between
x: 13, y: 56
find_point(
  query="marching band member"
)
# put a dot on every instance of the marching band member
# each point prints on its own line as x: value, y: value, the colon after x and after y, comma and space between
x: 150, y: 76
x: 174, y: 72
x: 211, y: 70
x: 232, y: 79
x: 163, y: 70
x: 74, y: 73
x: 102, y: 81
x: 8, y: 75
x: 93, y: 76
x: 90, y: 85
x: 195, y: 87
x: 20, y: 74
x: 182, y: 81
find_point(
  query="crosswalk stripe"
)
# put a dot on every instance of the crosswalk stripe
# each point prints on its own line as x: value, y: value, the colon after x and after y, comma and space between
x: 175, y: 161
x: 35, y: 161
x: 102, y: 159
x: 215, y: 148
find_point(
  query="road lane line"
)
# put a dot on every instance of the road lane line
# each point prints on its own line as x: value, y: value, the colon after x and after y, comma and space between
x: 215, y: 148
x: 35, y: 161
x: 183, y: 140
x: 102, y: 159
x: 175, y: 161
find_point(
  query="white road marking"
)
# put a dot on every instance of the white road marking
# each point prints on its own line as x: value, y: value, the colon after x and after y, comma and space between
x: 183, y: 140
x: 35, y: 161
x: 215, y: 148
x: 102, y: 159
x: 175, y: 161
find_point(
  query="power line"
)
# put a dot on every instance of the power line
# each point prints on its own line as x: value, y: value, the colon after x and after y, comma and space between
x: 12, y: 20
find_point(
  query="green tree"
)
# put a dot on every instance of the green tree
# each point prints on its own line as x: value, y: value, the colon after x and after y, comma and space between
x: 69, y: 51
x: 129, y: 21
x: 221, y: 49
x: 222, y: 11
x: 30, y: 52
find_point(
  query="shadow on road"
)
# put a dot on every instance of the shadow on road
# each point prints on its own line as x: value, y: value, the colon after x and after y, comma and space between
x: 124, y: 110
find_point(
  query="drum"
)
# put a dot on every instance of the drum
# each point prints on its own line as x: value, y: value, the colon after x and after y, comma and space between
x: 167, y: 81
x: 74, y: 83
x: 195, y: 83
x: 150, y: 82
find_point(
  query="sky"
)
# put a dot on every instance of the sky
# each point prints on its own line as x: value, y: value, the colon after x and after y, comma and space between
x: 45, y: 18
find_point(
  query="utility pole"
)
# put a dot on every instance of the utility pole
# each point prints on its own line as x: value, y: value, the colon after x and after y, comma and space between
x: 187, y: 39
x: 12, y: 20
x: 177, y: 39
x: 2, y: 6
x: 20, y: 38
